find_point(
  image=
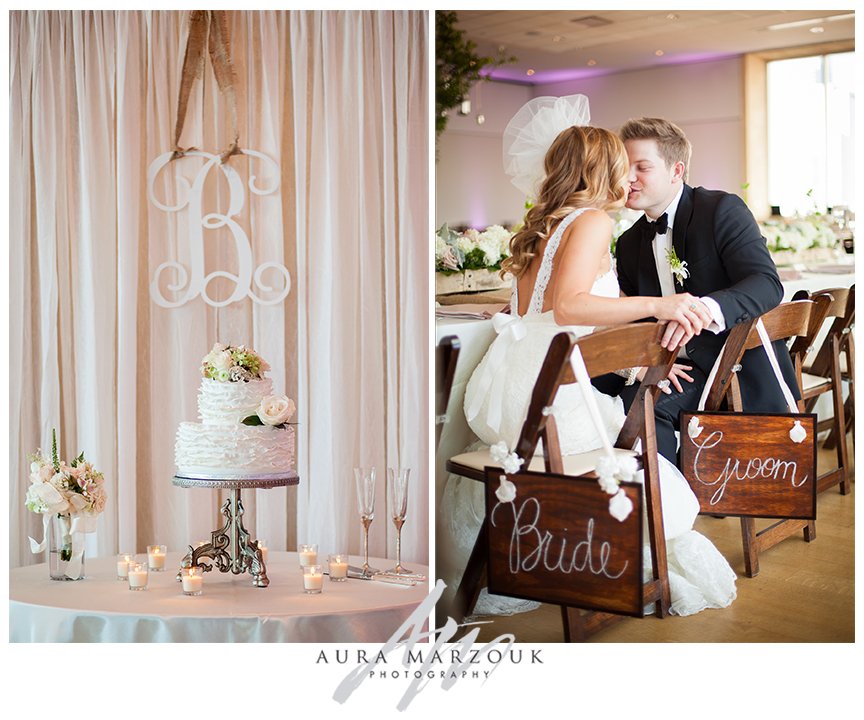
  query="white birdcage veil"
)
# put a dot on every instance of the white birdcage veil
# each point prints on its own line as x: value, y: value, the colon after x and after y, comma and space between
x: 531, y: 132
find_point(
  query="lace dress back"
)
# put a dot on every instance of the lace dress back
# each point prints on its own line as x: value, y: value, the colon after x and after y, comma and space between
x: 544, y: 273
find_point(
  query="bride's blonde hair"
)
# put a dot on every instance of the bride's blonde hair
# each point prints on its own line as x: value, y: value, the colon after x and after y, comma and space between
x: 585, y: 167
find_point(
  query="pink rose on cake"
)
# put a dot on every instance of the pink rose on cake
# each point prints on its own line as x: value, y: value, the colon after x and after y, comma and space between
x: 274, y: 410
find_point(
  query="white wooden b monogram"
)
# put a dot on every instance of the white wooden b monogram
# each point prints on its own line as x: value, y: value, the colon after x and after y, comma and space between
x: 186, y: 285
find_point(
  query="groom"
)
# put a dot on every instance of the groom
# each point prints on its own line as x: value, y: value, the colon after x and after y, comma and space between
x: 731, y: 274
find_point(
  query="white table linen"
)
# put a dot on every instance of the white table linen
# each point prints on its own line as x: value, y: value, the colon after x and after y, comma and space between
x: 101, y: 608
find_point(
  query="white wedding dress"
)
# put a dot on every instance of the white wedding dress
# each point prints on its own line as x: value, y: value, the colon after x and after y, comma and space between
x: 496, y: 402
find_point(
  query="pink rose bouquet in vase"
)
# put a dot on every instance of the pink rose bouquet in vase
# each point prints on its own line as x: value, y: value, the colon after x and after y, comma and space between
x: 70, y: 498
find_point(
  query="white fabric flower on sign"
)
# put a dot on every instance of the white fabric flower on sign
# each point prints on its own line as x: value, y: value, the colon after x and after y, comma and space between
x: 620, y: 506
x: 511, y: 462
x: 506, y: 491
x: 798, y: 434
x: 694, y: 429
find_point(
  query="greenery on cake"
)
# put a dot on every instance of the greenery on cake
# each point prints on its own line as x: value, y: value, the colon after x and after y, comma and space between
x: 228, y: 363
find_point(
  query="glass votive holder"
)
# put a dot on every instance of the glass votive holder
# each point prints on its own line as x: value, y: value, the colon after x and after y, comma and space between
x: 313, y: 579
x: 156, y: 557
x: 192, y: 579
x: 123, y: 562
x: 338, y: 567
x: 308, y: 555
x: 137, y: 576
x: 262, y: 546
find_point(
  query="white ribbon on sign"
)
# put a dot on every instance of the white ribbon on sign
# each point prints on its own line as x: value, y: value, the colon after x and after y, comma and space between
x: 772, y: 359
x: 492, y: 383
x: 609, y: 468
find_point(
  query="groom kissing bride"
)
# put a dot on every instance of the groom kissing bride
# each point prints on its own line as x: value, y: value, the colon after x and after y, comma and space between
x: 704, y: 243
x: 696, y: 260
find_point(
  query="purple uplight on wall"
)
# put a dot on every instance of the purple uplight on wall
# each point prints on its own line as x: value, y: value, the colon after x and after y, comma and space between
x: 545, y: 77
x: 479, y: 219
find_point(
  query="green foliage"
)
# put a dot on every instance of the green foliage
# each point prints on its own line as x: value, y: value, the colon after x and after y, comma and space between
x: 55, y: 458
x: 457, y: 66
x: 475, y: 260
x: 252, y: 420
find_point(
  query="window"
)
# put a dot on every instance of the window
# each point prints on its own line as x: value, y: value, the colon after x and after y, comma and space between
x: 810, y: 114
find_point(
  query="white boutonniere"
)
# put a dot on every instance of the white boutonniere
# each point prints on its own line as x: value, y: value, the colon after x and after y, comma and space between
x: 679, y: 267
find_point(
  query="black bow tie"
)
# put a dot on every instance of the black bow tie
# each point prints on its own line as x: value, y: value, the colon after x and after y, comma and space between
x: 659, y: 226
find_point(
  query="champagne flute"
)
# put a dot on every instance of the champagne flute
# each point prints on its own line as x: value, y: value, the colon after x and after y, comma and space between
x: 397, y: 487
x: 365, y: 482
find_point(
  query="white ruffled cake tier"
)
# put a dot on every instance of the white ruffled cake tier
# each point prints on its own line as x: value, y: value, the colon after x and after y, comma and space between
x: 228, y: 403
x: 219, y: 450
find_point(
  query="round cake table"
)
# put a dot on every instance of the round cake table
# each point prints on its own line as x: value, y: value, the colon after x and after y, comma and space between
x: 101, y: 608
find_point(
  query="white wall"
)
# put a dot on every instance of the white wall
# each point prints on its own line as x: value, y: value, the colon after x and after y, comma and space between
x: 470, y: 185
x: 705, y: 99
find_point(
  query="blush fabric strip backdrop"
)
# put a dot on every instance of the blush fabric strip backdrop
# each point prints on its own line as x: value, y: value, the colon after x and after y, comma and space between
x: 93, y: 98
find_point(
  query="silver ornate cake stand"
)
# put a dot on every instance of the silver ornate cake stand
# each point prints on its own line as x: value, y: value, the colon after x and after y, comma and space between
x: 230, y: 547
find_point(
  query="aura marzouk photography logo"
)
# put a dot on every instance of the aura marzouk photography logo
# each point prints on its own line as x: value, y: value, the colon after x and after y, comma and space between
x: 405, y: 656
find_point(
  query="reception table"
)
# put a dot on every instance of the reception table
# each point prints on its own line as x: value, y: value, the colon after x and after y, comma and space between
x: 101, y: 608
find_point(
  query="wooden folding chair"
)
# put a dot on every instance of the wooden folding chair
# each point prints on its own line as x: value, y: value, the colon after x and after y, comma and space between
x: 826, y: 374
x: 799, y: 320
x: 446, y: 356
x: 603, y: 352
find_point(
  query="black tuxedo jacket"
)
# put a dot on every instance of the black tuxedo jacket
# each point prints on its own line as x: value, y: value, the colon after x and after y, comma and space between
x: 728, y: 261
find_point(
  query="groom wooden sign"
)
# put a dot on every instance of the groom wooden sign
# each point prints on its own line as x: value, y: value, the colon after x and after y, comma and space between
x: 747, y: 464
x: 556, y: 542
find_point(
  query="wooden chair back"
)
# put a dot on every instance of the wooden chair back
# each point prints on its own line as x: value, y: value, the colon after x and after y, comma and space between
x: 797, y: 319
x: 604, y: 351
x: 825, y: 375
x: 786, y: 321
x: 446, y: 357
x: 842, y: 308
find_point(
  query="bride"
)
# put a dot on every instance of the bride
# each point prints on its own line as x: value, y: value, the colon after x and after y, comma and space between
x: 564, y: 280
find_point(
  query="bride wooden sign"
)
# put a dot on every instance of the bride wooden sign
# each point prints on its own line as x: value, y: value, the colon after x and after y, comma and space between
x: 557, y: 543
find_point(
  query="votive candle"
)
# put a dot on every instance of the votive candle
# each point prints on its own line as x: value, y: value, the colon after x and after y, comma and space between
x: 313, y: 579
x: 156, y: 557
x: 123, y: 561
x: 308, y: 555
x: 262, y: 546
x: 192, y: 579
x: 338, y: 567
x: 137, y: 576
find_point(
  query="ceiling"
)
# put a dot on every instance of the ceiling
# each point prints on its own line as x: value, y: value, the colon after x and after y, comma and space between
x: 556, y: 45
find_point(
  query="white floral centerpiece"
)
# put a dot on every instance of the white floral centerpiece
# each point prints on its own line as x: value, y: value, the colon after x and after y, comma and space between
x: 470, y: 260
x: 72, y: 495
x: 800, y: 239
x: 803, y: 238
